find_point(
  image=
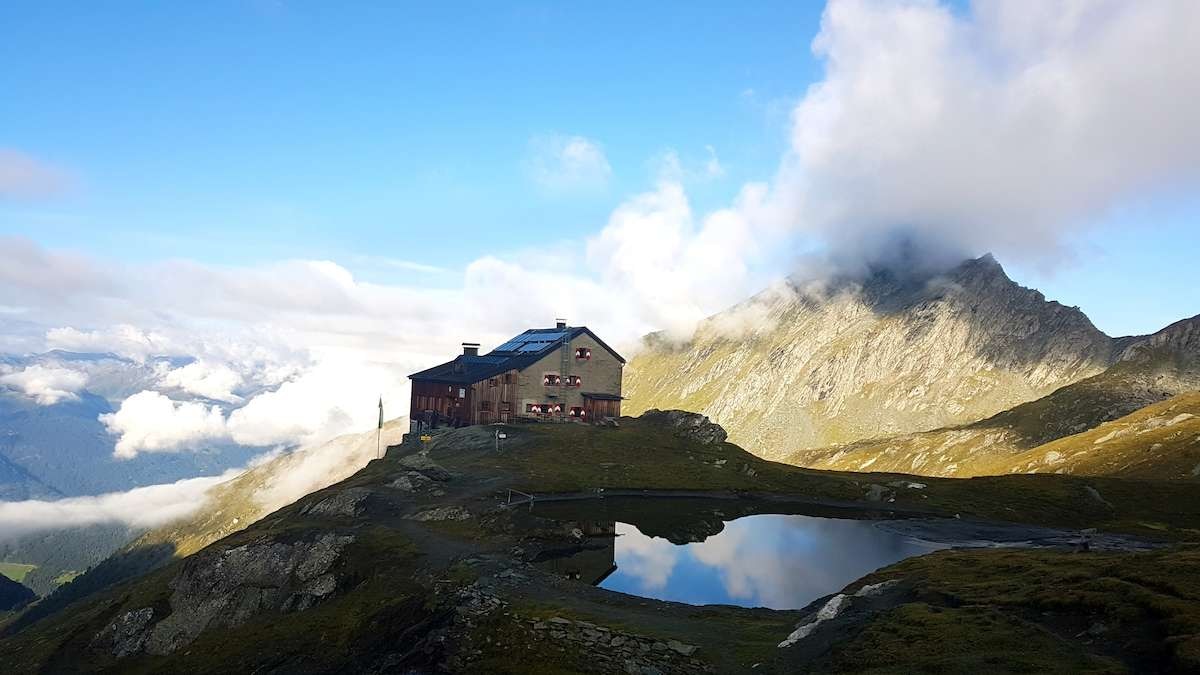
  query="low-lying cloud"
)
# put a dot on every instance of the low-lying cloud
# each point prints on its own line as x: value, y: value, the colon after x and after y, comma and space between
x: 141, y: 507
x: 45, y: 385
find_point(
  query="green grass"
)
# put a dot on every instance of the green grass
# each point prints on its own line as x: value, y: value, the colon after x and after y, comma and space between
x: 970, y: 610
x: 1031, y: 610
x: 66, y: 577
x: 572, y: 458
x: 16, y: 571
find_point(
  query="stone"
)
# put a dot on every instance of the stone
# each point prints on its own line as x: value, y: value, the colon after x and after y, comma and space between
x: 681, y: 648
x: 442, y: 513
x: 688, y: 425
x: 421, y: 463
x: 126, y: 635
x: 829, y: 610
x: 873, y: 590
x: 876, y: 492
x: 225, y: 588
x: 345, y: 504
x: 410, y: 481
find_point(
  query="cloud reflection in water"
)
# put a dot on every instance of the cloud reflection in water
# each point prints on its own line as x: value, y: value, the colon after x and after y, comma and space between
x: 777, y: 561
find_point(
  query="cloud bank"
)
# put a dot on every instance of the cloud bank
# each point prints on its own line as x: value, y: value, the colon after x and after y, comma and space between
x: 46, y: 385
x: 1007, y: 128
x: 142, y: 507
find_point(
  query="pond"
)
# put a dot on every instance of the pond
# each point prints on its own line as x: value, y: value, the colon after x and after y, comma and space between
x: 705, y: 552
x: 776, y: 561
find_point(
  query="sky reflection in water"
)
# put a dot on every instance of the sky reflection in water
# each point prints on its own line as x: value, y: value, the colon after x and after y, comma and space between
x: 776, y: 561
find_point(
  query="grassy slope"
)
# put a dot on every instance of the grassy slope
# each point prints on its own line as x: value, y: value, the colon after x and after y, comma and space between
x: 16, y: 571
x: 1033, y: 611
x: 387, y: 600
x: 983, y: 448
x: 1158, y: 441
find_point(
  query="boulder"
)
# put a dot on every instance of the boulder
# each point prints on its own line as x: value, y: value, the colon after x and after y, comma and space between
x: 688, y: 425
x: 227, y: 587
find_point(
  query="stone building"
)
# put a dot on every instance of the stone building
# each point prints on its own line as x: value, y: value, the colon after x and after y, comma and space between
x: 565, y: 372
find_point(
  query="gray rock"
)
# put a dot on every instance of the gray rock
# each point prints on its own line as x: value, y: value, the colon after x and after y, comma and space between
x: 688, y: 425
x: 226, y: 588
x: 410, y: 481
x: 878, y: 493
x: 421, y: 463
x: 126, y: 635
x: 442, y: 513
x: 681, y: 648
x: 344, y: 504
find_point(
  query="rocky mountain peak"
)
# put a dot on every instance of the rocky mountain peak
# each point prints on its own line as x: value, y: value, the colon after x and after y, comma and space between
x: 821, y: 363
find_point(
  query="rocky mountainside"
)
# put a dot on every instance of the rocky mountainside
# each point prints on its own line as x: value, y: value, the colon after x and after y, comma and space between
x: 13, y: 596
x: 231, y: 507
x: 1148, y: 370
x: 804, y: 366
x: 415, y: 564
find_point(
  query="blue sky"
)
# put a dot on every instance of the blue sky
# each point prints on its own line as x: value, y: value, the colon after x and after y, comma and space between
x: 241, y: 133
x: 196, y: 127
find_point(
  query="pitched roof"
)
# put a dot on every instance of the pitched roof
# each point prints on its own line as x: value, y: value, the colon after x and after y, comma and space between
x: 518, y: 353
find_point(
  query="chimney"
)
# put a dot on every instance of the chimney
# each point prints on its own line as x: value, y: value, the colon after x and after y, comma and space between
x: 470, y: 348
x: 560, y: 323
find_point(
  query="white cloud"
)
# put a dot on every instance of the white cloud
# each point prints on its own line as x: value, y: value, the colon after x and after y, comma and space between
x: 567, y: 163
x: 214, y: 381
x: 1001, y: 128
x: 46, y: 385
x: 669, y: 166
x: 650, y: 560
x: 148, y: 506
x: 336, y: 396
x: 24, y: 177
x: 712, y: 166
x: 124, y: 339
x: 1005, y: 128
x: 150, y: 422
x: 316, y: 466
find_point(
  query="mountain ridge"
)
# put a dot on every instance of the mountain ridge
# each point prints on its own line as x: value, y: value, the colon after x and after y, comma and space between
x: 816, y: 364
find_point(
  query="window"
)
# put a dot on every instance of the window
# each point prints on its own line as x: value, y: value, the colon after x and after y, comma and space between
x: 505, y: 406
x: 574, y: 381
x: 554, y: 408
x: 462, y: 393
x: 577, y: 411
x: 583, y: 353
x: 534, y: 408
x: 552, y: 379
x: 485, y: 406
x: 492, y: 382
x: 508, y: 378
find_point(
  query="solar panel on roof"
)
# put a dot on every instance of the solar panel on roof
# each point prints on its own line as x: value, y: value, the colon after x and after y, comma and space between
x: 532, y: 342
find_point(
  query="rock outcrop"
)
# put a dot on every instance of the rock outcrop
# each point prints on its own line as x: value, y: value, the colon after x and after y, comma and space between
x: 688, y: 425
x: 225, y: 588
